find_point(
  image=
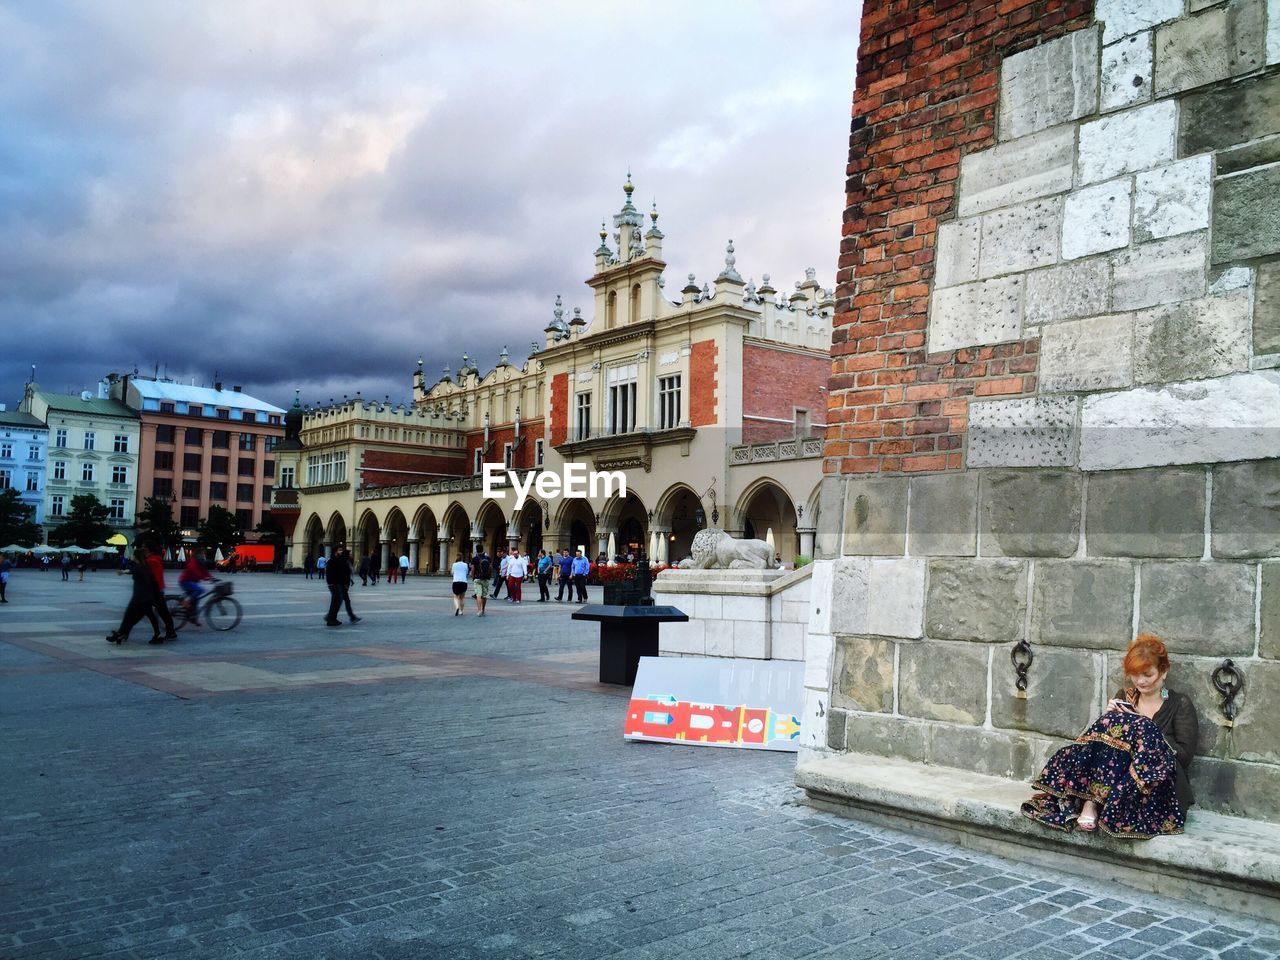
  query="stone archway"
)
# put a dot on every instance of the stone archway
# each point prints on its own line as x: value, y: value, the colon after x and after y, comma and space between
x: 367, y: 535
x: 764, y: 507
x: 627, y: 519
x: 313, y: 537
x: 395, y: 535
x: 424, y: 537
x: 576, y: 526
x: 678, y: 516
x: 454, y: 537
x: 336, y: 532
x: 491, y: 525
x: 532, y: 524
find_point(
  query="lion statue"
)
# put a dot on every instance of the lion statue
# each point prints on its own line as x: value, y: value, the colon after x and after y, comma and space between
x: 713, y: 549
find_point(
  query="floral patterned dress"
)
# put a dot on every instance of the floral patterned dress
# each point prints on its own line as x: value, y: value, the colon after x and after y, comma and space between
x: 1125, y: 764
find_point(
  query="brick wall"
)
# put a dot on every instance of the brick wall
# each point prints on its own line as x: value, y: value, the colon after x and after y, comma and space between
x: 781, y: 380
x: 703, y: 367
x: 531, y: 430
x: 559, y: 409
x: 427, y: 464
x: 927, y: 93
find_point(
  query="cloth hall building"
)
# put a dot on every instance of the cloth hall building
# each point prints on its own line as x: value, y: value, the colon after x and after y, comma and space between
x: 713, y: 405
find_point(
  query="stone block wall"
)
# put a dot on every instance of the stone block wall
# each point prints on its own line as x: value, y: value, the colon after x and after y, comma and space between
x: 755, y: 614
x: 1095, y: 354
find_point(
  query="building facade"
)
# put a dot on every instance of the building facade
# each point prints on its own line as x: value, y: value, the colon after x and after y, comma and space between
x: 712, y: 406
x: 202, y: 446
x: 24, y: 449
x: 93, y: 449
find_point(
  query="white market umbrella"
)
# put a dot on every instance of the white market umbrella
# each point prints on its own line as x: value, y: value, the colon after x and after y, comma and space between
x: 14, y: 548
x: 217, y: 555
x: 76, y: 550
x: 768, y: 538
x: 182, y: 555
x: 42, y: 550
x: 611, y: 551
x: 653, y: 546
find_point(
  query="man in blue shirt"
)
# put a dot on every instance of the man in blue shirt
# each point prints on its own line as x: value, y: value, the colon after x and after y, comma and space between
x: 566, y: 575
x: 581, y: 567
x: 545, y: 563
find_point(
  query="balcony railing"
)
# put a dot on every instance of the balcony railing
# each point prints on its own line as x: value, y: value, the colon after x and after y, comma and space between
x: 428, y: 487
x: 795, y: 449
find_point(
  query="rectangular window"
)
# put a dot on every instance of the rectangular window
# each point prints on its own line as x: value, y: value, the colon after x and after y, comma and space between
x: 269, y: 444
x: 86, y: 472
x: 192, y: 461
x: 802, y: 423
x: 6, y: 479
x: 166, y: 408
x: 268, y: 468
x: 194, y: 436
x: 60, y: 438
x: 506, y: 455
x: 622, y: 398
x: 162, y: 487
x: 266, y: 493
x: 191, y: 489
x: 57, y: 505
x: 116, y: 510
x: 218, y: 491
x: 33, y: 482
x: 247, y: 441
x: 165, y: 433
x: 221, y: 440
x: 246, y: 519
x: 122, y: 443
x: 537, y: 452
x: 6, y: 451
x: 195, y: 410
x: 189, y: 517
x: 248, y: 415
x: 246, y: 468
x: 244, y: 493
x: 164, y: 459
x: 669, y: 402
x: 224, y: 414
x: 33, y: 453
x: 89, y: 440
x: 59, y: 469
x: 325, y: 468
x: 274, y: 419
x: 218, y: 465
x: 583, y: 416
x: 286, y: 477
x: 119, y: 474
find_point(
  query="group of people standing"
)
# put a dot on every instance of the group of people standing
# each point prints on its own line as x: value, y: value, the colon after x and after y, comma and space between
x: 369, y: 567
x: 147, y: 599
x: 511, y: 569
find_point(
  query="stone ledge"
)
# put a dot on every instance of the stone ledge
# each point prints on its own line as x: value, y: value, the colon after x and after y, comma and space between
x: 1229, y: 862
x: 742, y: 583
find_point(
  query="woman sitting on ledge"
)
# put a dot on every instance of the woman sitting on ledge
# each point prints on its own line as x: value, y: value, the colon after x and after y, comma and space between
x: 1128, y: 772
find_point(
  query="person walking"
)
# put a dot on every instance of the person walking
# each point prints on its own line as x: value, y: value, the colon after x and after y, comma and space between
x: 500, y: 576
x: 156, y: 565
x: 142, y: 602
x: 375, y: 564
x: 460, y: 571
x: 404, y: 567
x: 364, y: 569
x: 321, y: 563
x: 81, y: 567
x: 337, y: 576
x: 565, y: 566
x: 516, y: 570
x: 581, y: 567
x: 5, y: 566
x: 545, y: 563
x: 481, y: 571
x: 393, y: 568
x: 309, y: 566
x: 66, y: 567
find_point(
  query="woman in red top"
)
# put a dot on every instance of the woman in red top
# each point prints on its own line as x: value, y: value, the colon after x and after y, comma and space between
x: 156, y: 565
x: 189, y: 580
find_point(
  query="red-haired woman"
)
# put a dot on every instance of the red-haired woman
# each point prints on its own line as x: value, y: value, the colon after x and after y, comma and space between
x: 1128, y: 772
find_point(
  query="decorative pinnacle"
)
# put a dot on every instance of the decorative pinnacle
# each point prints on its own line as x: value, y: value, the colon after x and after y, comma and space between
x: 604, y: 232
x: 559, y: 311
x: 628, y: 187
x: 502, y: 357
x: 730, y: 271
x: 297, y: 403
x: 653, y: 214
x: 419, y: 360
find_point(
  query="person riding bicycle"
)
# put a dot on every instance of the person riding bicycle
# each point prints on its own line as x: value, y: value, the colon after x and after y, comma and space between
x: 190, y: 579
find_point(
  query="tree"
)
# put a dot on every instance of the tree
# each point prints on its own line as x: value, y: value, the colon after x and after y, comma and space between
x: 86, y: 525
x: 156, y: 524
x: 16, y: 525
x: 219, y: 531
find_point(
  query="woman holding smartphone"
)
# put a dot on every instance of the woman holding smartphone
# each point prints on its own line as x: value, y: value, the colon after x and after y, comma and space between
x: 1128, y: 772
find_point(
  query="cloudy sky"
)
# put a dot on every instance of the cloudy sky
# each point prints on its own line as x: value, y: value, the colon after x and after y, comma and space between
x: 311, y: 193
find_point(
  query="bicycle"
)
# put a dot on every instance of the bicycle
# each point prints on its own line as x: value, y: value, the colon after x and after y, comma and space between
x: 218, y: 608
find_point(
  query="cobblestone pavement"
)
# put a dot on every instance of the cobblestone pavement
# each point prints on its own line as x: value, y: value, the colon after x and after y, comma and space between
x: 291, y: 790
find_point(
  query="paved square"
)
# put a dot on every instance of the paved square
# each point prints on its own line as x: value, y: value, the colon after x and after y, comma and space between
x: 424, y: 785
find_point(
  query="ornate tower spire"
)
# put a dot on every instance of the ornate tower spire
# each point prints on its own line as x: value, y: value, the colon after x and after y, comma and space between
x: 730, y: 271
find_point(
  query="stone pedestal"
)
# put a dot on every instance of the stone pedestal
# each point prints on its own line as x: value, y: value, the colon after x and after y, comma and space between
x: 756, y: 614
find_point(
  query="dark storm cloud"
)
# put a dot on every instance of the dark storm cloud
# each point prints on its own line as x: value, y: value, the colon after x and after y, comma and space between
x: 311, y: 196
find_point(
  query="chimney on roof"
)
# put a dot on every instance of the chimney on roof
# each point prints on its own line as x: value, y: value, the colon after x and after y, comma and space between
x: 236, y: 388
x: 218, y: 385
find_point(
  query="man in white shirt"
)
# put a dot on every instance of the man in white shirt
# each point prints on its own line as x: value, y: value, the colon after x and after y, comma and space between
x: 500, y: 580
x: 404, y: 566
x: 516, y: 570
x: 460, y: 570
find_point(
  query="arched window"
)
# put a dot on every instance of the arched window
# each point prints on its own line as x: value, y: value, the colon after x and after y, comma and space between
x: 634, y: 315
x: 611, y: 310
